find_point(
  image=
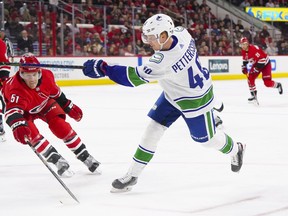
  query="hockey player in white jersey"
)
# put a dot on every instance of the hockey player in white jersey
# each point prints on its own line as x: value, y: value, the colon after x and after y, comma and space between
x: 187, y: 92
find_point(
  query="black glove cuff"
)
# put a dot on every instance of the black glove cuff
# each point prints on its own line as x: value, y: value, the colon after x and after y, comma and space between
x: 18, y: 124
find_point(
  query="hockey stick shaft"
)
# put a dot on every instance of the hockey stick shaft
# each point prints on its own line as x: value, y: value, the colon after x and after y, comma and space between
x: 42, y: 65
x: 53, y: 172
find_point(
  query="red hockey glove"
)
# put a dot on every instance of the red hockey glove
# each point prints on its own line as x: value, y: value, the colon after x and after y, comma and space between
x: 21, y: 131
x: 244, y: 69
x: 73, y: 111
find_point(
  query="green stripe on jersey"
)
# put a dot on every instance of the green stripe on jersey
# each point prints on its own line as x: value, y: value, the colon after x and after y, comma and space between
x: 228, y: 145
x: 133, y: 77
x: 143, y: 156
x: 194, y: 103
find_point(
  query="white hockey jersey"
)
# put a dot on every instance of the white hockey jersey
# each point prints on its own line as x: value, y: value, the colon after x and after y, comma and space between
x: 186, y: 84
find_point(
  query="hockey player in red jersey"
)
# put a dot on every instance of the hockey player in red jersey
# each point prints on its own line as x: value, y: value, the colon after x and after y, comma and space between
x: 260, y: 63
x: 4, y: 74
x: 33, y: 94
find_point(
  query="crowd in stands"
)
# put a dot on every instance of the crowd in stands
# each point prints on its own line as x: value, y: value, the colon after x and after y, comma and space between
x: 123, y: 32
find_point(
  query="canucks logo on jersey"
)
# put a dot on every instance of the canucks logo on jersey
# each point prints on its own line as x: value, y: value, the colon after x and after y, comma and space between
x: 156, y: 58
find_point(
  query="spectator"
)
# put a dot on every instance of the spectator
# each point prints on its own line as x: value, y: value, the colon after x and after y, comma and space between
x: 283, y: 49
x: 240, y: 25
x: 78, y: 50
x: 86, y: 50
x: 270, y: 3
x: 24, y: 12
x: 25, y: 43
x: 271, y: 49
x: 246, y: 33
x: 227, y: 21
x: 68, y: 49
x: 263, y: 34
x: 79, y: 39
x: 15, y: 28
x: 67, y: 30
x: 215, y: 30
x: 113, y: 50
x: 95, y: 50
x: 244, y: 4
x: 129, y: 50
x: 283, y: 3
x: 75, y: 29
x: 32, y: 28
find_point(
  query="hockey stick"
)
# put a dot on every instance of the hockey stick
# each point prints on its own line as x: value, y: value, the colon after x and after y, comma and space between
x: 52, y: 171
x: 220, y: 109
x: 42, y: 65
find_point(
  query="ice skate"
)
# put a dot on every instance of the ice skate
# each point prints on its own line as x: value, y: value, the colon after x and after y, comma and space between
x: 63, y: 168
x: 92, y: 165
x: 2, y: 136
x: 237, y: 160
x: 2, y: 132
x: 253, y: 100
x: 90, y: 162
x: 61, y: 164
x: 123, y: 184
x: 279, y: 87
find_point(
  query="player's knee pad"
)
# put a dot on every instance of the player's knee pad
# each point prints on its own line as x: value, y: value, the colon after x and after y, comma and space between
x: 59, y: 127
x: 152, y: 135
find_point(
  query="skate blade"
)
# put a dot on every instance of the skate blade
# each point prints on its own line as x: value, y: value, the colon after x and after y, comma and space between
x: 97, y: 172
x: 115, y: 190
x: 254, y: 102
x: 67, y: 174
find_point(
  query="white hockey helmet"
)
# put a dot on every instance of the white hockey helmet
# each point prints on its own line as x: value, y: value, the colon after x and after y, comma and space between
x: 155, y: 25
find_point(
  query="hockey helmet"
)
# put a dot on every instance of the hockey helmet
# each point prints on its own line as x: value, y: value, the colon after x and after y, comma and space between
x: 155, y: 25
x: 29, y: 58
x: 244, y: 40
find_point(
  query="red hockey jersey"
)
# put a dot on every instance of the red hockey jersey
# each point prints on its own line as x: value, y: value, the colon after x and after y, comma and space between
x: 20, y: 98
x: 255, y: 55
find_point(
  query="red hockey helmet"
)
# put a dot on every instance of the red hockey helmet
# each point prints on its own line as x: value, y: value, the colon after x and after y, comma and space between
x: 244, y: 40
x: 29, y: 58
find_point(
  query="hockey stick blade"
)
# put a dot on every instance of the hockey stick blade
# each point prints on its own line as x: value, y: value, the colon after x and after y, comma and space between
x: 41, y: 65
x: 219, y: 109
x: 52, y: 171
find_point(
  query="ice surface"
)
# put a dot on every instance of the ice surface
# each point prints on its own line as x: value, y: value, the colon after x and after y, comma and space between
x: 183, y: 178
